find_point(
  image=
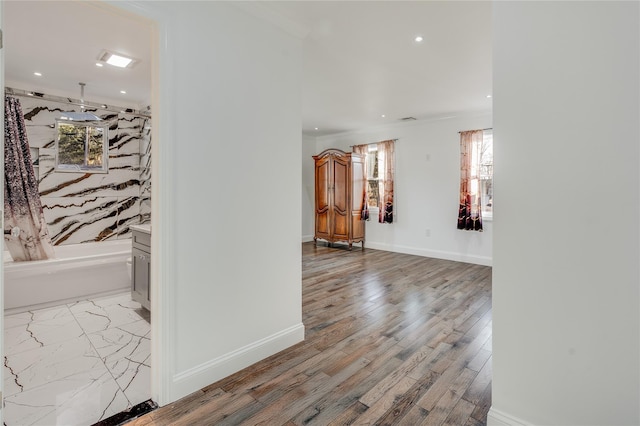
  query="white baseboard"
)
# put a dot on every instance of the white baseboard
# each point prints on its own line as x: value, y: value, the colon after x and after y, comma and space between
x: 307, y: 238
x: 213, y: 370
x: 499, y: 418
x: 438, y: 254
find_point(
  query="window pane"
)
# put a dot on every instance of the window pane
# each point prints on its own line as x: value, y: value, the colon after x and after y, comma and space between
x: 486, y: 172
x: 71, y: 144
x: 95, y: 147
x: 372, y: 164
x: 486, y: 186
x: 373, y: 193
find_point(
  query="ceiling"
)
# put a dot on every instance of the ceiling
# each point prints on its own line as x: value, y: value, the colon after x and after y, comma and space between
x: 65, y: 50
x: 360, y: 60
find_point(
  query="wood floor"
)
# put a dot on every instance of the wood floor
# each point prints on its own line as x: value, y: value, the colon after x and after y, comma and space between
x: 391, y: 339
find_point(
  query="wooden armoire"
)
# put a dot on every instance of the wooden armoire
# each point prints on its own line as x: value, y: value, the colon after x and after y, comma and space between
x: 339, y: 200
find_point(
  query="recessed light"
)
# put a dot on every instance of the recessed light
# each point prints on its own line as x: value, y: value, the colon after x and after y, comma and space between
x: 116, y: 59
x: 489, y: 96
x: 418, y: 39
x: 119, y: 61
x: 98, y: 64
x: 316, y: 128
x: 38, y: 74
x: 124, y: 92
x: 383, y: 116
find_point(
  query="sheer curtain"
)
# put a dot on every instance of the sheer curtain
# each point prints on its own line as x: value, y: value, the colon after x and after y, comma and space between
x: 22, y: 206
x: 363, y: 150
x: 470, y: 211
x: 386, y: 159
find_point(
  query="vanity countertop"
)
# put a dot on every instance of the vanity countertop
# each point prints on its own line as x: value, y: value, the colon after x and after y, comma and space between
x: 142, y: 228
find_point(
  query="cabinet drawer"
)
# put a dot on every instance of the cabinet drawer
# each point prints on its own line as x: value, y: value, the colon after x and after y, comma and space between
x: 141, y: 238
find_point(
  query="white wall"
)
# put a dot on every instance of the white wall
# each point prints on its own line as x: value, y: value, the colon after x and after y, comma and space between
x: 426, y: 190
x: 308, y: 187
x: 226, y: 177
x: 566, y: 239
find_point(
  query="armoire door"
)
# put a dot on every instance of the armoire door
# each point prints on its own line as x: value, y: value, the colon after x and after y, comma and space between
x: 323, y: 201
x: 358, y: 193
x: 339, y: 218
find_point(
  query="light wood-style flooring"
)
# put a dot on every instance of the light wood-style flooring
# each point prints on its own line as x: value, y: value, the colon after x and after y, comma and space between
x: 391, y: 339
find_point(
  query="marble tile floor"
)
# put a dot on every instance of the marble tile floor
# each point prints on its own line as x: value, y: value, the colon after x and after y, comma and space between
x: 76, y: 364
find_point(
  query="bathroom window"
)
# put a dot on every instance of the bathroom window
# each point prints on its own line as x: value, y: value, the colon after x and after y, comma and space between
x: 82, y: 147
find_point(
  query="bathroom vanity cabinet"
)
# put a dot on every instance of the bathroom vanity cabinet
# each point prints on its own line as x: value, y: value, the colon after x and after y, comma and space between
x: 141, y: 265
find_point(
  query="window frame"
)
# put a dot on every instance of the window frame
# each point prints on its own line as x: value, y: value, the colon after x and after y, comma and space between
x: 85, y: 167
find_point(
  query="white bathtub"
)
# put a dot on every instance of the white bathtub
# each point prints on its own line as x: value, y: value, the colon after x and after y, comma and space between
x: 78, y: 272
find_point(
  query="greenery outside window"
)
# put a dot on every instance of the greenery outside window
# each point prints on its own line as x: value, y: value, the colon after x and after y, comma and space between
x: 82, y: 147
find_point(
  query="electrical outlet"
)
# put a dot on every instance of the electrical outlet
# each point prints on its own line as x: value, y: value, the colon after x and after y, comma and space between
x: 427, y: 232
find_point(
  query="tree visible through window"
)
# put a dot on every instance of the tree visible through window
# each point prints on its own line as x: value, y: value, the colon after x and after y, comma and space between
x: 81, y: 147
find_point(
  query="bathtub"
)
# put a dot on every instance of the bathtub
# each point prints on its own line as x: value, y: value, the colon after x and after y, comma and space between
x: 78, y: 272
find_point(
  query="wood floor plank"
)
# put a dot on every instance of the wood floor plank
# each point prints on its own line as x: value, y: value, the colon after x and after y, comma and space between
x: 480, y: 360
x: 334, y: 404
x: 400, y: 373
x: 475, y: 391
x: 460, y: 413
x: 482, y: 406
x: 400, y: 413
x: 349, y: 416
x: 324, y: 411
x: 390, y: 339
x: 441, y: 410
x: 206, y: 414
x: 286, y: 407
x: 427, y: 365
x: 385, y: 402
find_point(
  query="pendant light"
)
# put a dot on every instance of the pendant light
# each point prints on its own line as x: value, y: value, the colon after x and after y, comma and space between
x: 83, y: 115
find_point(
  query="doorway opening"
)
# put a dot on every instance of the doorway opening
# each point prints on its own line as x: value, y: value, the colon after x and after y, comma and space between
x: 78, y: 358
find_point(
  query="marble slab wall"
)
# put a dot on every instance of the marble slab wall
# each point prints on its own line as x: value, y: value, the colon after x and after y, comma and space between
x: 145, y: 171
x: 85, y: 207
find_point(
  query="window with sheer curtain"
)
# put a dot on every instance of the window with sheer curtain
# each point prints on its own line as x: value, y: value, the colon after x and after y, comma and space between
x: 476, y: 179
x: 379, y: 170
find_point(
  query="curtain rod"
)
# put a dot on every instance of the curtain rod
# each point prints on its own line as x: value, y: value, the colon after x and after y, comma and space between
x: 9, y: 91
x: 488, y: 128
x: 373, y: 143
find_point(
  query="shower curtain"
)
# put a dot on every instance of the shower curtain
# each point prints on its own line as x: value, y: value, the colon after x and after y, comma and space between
x: 22, y: 206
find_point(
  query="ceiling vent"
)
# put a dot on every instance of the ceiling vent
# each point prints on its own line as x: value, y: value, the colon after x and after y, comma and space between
x: 407, y: 119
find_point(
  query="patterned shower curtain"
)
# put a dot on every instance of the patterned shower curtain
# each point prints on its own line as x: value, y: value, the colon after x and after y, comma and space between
x: 22, y: 206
